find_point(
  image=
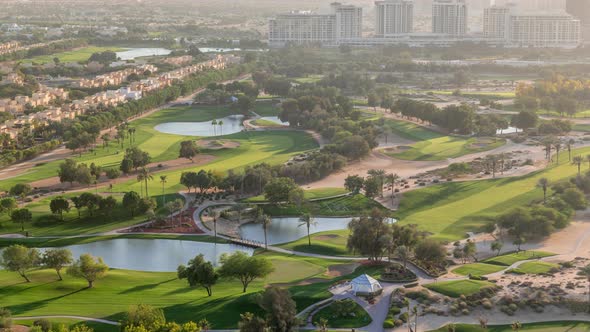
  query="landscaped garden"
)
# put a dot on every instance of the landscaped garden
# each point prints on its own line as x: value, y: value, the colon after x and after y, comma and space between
x: 344, y: 314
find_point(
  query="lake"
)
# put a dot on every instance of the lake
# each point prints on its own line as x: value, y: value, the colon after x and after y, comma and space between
x: 132, y: 53
x: 155, y: 255
x: 231, y: 124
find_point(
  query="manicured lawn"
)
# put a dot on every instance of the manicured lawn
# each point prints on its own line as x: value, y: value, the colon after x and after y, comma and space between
x: 558, y: 326
x: 431, y: 145
x: 509, y: 259
x: 332, y: 243
x: 79, y: 55
x: 459, y: 287
x: 450, y: 210
x: 112, y: 295
x: 536, y: 268
x: 309, y: 194
x: 477, y: 269
x: 342, y: 206
x: 267, y: 107
x: 358, y: 318
x: 448, y: 147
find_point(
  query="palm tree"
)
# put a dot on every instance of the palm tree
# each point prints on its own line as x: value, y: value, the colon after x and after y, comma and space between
x: 265, y: 220
x: 543, y: 184
x: 569, y: 145
x: 163, y: 182
x: 578, y: 162
x: 380, y: 175
x: 220, y: 124
x: 557, y: 149
x: 214, y: 124
x: 585, y: 271
x: 145, y: 176
x: 393, y: 177
x: 307, y: 220
x: 215, y: 215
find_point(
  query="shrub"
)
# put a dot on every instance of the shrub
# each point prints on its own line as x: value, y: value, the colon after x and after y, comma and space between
x: 465, y: 311
x: 403, y: 317
x: 44, y: 324
x: 5, y: 318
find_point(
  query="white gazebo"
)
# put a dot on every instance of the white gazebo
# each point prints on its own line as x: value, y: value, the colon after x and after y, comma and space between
x: 365, y: 285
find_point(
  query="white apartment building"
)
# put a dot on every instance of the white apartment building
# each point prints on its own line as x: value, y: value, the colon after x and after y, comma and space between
x: 394, y: 17
x: 449, y: 17
x: 306, y: 27
x: 496, y: 22
x: 517, y: 28
x: 349, y: 20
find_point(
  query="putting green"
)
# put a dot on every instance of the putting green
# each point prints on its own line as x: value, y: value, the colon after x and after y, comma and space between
x: 477, y: 269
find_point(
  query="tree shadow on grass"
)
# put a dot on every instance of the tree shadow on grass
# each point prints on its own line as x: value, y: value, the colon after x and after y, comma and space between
x: 145, y: 287
x: 30, y: 306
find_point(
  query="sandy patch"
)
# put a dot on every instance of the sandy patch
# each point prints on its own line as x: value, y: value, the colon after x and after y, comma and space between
x: 217, y: 144
x: 342, y: 269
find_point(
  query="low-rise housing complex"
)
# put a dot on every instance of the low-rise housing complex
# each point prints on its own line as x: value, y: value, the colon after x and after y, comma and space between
x: 74, y: 108
x: 178, y: 60
x: 113, y: 79
x: 9, y: 47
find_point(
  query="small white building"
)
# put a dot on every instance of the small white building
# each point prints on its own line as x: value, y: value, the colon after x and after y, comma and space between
x: 365, y: 285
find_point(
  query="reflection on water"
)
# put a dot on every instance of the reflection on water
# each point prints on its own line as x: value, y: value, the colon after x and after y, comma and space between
x: 157, y: 255
x: 231, y: 124
x: 133, y: 53
x: 287, y: 229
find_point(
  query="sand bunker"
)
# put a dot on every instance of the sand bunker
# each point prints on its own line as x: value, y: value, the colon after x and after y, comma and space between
x: 217, y: 144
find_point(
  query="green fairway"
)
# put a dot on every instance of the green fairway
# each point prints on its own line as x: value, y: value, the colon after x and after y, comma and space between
x: 160, y: 146
x: 450, y: 210
x: 121, y: 288
x: 558, y: 326
x: 535, y: 268
x: 509, y: 259
x: 345, y: 206
x: 319, y: 193
x: 431, y: 145
x: 477, y: 269
x: 332, y: 243
x: 357, y: 316
x: 457, y: 288
x: 80, y: 55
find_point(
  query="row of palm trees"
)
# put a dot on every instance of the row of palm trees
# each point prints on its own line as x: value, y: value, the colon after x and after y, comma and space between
x: 144, y: 175
x: 216, y: 123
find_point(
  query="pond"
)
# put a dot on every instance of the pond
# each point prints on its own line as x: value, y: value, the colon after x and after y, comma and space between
x: 287, y: 229
x: 132, y: 53
x: 509, y: 130
x: 275, y: 119
x: 231, y: 124
x: 155, y: 255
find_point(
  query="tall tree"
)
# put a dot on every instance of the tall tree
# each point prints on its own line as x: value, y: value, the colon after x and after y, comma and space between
x: 21, y: 216
x: 163, y: 181
x: 307, y: 220
x: 544, y: 185
x: 20, y: 259
x: 281, y: 310
x: 245, y: 268
x: 89, y: 268
x: 57, y: 259
x: 188, y: 150
x: 578, y: 162
x: 198, y: 272
x: 59, y: 205
x: 145, y: 176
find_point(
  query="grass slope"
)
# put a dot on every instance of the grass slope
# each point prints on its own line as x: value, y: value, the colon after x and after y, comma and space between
x: 535, y: 268
x: 450, y: 210
x: 477, y: 269
x: 457, y: 288
x: 431, y: 145
x: 79, y: 55
x: 121, y: 288
x: 509, y: 259
x: 331, y: 243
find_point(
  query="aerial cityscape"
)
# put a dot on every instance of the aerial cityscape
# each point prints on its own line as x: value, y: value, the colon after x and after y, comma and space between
x: 278, y: 166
